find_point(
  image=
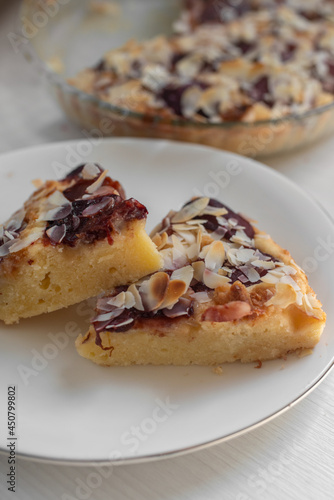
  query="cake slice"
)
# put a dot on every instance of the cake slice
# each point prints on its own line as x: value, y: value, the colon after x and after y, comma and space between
x: 227, y: 292
x: 73, y: 239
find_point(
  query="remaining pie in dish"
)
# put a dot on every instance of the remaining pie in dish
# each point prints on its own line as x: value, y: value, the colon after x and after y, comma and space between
x: 244, y: 61
x: 227, y: 292
x: 73, y: 239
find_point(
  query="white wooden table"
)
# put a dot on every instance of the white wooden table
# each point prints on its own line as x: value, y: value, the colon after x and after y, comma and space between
x: 290, y: 458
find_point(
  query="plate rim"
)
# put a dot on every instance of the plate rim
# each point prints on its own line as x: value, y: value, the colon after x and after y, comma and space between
x: 181, y: 452
x: 197, y: 447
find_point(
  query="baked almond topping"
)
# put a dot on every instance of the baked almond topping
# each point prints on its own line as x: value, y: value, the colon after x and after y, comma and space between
x: 245, y: 60
x: 85, y: 206
x: 214, y: 276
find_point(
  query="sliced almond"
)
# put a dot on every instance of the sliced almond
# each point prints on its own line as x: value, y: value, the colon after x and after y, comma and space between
x: 217, y: 211
x: 164, y: 240
x: 129, y: 300
x: 90, y: 171
x: 185, y: 274
x: 153, y: 291
x: 20, y: 244
x: 213, y: 280
x: 264, y: 264
x: 97, y: 184
x: 137, y: 298
x: 199, y: 268
x: 118, y: 300
x: 308, y: 306
x: 191, y: 210
x: 176, y: 289
x: 215, y: 256
x: 270, y: 278
x: 206, y: 240
x: 187, y: 236
x: 285, y: 296
x: 57, y: 199
x: 219, y: 233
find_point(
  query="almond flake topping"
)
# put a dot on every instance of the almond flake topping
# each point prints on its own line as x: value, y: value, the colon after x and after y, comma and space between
x: 215, y: 256
x: 97, y: 184
x: 57, y: 199
x: 191, y: 210
x: 201, y: 255
x: 90, y: 171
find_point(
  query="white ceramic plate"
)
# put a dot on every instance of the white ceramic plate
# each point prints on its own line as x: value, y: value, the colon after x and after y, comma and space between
x: 69, y: 409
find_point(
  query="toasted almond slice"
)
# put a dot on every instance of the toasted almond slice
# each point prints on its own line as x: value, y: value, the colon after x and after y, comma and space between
x: 185, y: 274
x: 188, y: 237
x: 217, y: 211
x: 213, y: 280
x: 157, y: 239
x: 285, y: 296
x: 5, y: 248
x: 167, y: 255
x: 164, y: 240
x: 241, y: 238
x: 204, y: 251
x: 251, y: 273
x: 33, y: 236
x: 118, y: 300
x: 219, y: 233
x: 183, y: 227
x: 109, y: 315
x: 179, y: 252
x: 191, y: 210
x: 176, y: 289
x: 98, y: 183
x: 129, y: 301
x: 307, y: 306
x: 199, y: 268
x: 57, y: 199
x: 153, y: 291
x: 193, y: 251
x: 136, y: 295
x: 206, y: 240
x: 215, y: 256
x: 90, y: 171
x: 263, y: 264
x: 196, y: 222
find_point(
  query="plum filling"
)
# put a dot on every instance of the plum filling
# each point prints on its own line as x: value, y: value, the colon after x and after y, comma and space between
x: 92, y: 209
x: 172, y: 95
x: 126, y: 319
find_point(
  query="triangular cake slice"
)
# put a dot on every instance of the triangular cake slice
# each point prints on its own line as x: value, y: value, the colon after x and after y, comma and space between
x: 73, y: 239
x: 227, y: 292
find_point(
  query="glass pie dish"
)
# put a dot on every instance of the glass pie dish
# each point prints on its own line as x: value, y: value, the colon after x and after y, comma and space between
x: 66, y: 36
